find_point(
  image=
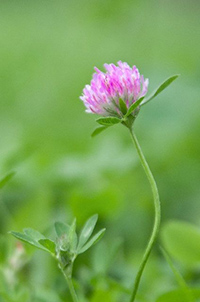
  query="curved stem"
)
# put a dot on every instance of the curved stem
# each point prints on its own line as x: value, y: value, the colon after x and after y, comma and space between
x: 70, y: 285
x: 157, y: 214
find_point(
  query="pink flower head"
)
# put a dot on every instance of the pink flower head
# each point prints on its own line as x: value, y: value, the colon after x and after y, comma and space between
x: 118, y: 82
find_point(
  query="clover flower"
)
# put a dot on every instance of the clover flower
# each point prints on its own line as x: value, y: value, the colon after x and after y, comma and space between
x: 117, y: 95
x: 106, y: 90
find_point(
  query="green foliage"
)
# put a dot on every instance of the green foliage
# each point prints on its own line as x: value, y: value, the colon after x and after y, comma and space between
x: 163, y: 86
x: 182, y: 241
x: 92, y: 241
x: 122, y: 106
x: 31, y: 237
x: 98, y: 130
x: 134, y: 106
x: 87, y: 231
x: 67, y: 245
x: 108, y: 121
x: 73, y: 238
x: 49, y: 245
x: 62, y: 229
x: 177, y: 274
x: 188, y: 295
x: 105, y: 122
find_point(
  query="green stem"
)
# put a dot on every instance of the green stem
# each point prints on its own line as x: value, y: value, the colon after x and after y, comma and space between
x: 70, y: 285
x: 157, y: 214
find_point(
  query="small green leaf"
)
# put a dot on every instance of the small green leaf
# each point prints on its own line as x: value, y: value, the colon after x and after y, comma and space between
x: 22, y: 237
x: 122, y: 106
x: 35, y: 235
x: 87, y: 230
x: 108, y: 121
x: 4, y: 180
x: 164, y: 85
x: 98, y: 130
x: 73, y: 236
x: 49, y: 245
x: 182, y: 241
x: 27, y: 239
x: 61, y: 229
x: 92, y: 241
x: 134, y: 106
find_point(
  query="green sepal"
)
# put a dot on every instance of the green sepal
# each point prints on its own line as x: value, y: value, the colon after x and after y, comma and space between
x: 164, y: 85
x: 5, y: 179
x: 87, y: 231
x: 92, y: 241
x: 108, y: 121
x: 122, y: 106
x: 49, y: 245
x: 134, y: 106
x: 98, y: 130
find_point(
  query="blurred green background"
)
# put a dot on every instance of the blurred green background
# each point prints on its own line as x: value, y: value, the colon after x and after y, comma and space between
x: 47, y: 53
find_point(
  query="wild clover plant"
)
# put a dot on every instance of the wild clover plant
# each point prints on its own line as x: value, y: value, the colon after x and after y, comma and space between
x: 66, y: 246
x: 117, y: 96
